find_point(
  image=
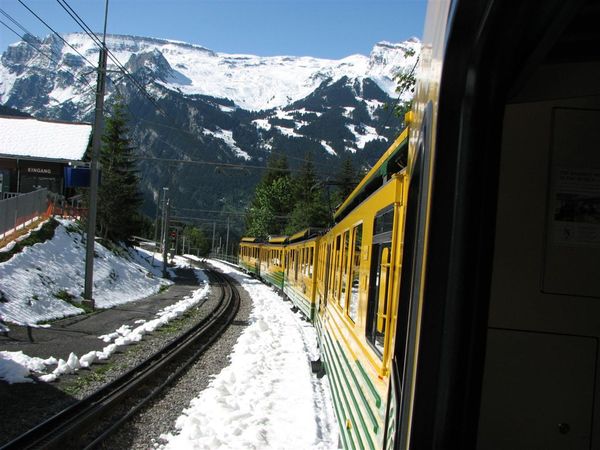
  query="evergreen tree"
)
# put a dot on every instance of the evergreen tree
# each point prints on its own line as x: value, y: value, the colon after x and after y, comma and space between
x: 197, y: 240
x: 273, y: 200
x: 119, y: 198
x: 345, y: 181
x: 310, y: 207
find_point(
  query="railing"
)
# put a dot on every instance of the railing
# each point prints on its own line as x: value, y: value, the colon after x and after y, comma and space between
x: 18, y: 210
x: 232, y: 259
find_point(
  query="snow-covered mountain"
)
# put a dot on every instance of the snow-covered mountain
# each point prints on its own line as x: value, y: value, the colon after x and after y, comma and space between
x: 251, y: 82
x: 216, y: 107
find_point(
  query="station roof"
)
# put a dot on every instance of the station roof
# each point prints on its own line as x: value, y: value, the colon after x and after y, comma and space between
x: 26, y: 137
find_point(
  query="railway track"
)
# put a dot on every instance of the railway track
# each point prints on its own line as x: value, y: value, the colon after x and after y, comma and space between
x: 77, y: 425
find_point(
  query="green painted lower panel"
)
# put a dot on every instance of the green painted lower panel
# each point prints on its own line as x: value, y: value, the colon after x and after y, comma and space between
x: 391, y: 421
x: 275, y: 278
x: 346, y: 393
x: 249, y: 267
x: 300, y: 301
x: 343, y: 409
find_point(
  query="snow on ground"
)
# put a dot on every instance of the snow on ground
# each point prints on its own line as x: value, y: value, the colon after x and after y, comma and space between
x: 34, y: 280
x: 267, y: 397
x: 16, y: 367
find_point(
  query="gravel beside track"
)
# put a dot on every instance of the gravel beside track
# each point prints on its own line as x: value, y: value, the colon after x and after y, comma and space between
x: 144, y: 430
x: 25, y: 405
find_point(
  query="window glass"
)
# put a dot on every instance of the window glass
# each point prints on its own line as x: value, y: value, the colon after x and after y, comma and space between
x: 344, y: 283
x: 384, y: 222
x: 378, y: 296
x: 336, y: 268
x: 357, y: 239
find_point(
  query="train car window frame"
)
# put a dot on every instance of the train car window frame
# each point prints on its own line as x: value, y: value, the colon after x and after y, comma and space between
x: 344, y: 270
x: 336, y: 267
x: 357, y: 235
x: 377, y: 322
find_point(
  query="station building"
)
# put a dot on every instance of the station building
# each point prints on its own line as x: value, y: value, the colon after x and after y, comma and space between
x: 34, y: 153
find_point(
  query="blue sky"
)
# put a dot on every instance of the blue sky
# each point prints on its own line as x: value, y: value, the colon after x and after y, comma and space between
x: 321, y: 28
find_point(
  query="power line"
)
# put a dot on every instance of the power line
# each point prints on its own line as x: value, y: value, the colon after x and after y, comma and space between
x: 57, y: 34
x: 37, y: 49
x: 25, y: 30
x: 211, y: 163
x: 77, y: 18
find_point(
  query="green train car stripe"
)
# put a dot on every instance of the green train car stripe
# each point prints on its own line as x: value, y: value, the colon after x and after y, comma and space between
x: 338, y: 414
x: 374, y: 392
x: 339, y: 392
x: 299, y: 300
x: 344, y: 381
x: 358, y: 387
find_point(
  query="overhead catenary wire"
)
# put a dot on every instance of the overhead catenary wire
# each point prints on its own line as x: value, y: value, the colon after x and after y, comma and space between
x: 37, y: 49
x: 214, y: 163
x: 83, y: 25
x: 25, y: 30
x: 93, y: 66
x: 86, y: 28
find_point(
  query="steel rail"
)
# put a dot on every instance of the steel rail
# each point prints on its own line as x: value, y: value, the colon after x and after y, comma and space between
x: 66, y: 427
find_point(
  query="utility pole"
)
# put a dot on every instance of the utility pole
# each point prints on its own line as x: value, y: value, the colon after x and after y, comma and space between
x: 164, y: 207
x: 212, y: 248
x: 227, y: 240
x: 165, y: 237
x: 93, y: 207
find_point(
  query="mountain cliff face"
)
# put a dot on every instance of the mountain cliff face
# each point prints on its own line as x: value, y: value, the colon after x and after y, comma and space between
x: 217, y: 108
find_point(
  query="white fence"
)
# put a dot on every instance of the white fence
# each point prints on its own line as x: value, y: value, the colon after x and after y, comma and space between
x: 17, y: 210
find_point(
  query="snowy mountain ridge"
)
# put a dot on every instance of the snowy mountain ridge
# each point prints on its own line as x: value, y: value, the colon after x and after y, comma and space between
x: 251, y: 82
x: 216, y: 107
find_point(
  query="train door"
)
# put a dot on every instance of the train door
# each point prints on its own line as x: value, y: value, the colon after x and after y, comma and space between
x: 377, y: 303
x: 326, y: 276
x: 378, y: 295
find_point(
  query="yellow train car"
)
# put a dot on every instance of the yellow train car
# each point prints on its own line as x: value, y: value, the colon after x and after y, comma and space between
x: 248, y: 258
x: 357, y: 294
x: 458, y: 299
x: 272, y: 261
x: 497, y: 336
x: 301, y: 257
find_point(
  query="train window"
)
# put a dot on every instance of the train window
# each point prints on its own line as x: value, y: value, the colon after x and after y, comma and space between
x: 311, y: 255
x: 377, y: 304
x: 378, y: 296
x: 295, y: 265
x: 336, y: 267
x: 357, y: 239
x: 344, y: 263
x: 384, y: 221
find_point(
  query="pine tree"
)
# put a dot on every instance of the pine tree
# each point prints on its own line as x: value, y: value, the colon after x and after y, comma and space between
x: 345, y: 181
x: 119, y: 198
x: 310, y: 207
x: 273, y: 201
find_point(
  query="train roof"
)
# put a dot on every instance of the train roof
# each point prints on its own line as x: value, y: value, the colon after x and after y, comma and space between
x: 390, y: 162
x: 306, y: 234
x: 250, y: 239
x: 278, y: 239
